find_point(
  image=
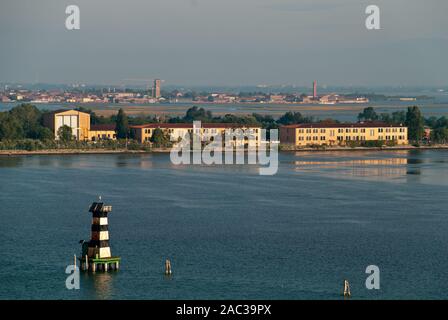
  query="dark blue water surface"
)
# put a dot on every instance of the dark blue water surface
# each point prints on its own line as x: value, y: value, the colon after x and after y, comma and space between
x: 230, y: 233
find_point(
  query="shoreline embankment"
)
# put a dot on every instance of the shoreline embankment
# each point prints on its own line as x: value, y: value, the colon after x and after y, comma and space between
x: 167, y: 150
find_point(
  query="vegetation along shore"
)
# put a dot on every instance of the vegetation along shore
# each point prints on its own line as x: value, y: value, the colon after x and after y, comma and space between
x: 23, y: 131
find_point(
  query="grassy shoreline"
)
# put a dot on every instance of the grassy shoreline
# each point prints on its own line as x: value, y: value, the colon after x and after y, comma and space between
x: 167, y: 150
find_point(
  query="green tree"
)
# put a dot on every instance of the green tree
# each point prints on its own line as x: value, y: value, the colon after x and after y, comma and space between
x: 415, y: 123
x: 385, y: 117
x: 195, y: 113
x: 368, y: 114
x: 159, y: 139
x: 398, y: 117
x: 122, y: 125
x: 29, y: 118
x: 44, y: 134
x: 291, y: 118
x: 440, y: 135
x: 65, y: 133
x: 10, y: 127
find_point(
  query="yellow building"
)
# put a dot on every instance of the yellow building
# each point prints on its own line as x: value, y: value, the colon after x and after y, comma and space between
x: 102, y: 132
x: 208, y: 132
x: 331, y: 134
x: 78, y: 121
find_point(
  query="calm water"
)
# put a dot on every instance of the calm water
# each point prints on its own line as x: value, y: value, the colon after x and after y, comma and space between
x: 229, y: 232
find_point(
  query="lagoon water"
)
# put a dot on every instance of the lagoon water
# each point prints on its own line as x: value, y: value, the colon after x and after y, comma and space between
x: 230, y: 233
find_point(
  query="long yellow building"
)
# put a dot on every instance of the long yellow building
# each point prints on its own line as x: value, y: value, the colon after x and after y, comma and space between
x: 208, y: 132
x: 332, y: 134
x: 102, y: 132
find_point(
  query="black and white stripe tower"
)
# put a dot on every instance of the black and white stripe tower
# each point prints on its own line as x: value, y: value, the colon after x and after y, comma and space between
x: 99, y: 240
x: 96, y: 254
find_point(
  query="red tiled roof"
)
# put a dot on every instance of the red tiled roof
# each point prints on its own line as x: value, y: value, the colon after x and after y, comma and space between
x: 190, y: 125
x: 102, y: 127
x: 367, y: 124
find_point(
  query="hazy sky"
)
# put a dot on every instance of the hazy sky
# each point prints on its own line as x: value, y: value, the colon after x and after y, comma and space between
x: 225, y: 42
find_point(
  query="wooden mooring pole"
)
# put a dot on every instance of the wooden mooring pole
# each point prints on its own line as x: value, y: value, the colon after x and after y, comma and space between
x: 347, y: 292
x: 167, y: 267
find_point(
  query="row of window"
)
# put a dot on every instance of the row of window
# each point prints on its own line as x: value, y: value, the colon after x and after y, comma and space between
x: 352, y: 130
x: 103, y: 137
x: 212, y: 131
x: 348, y: 138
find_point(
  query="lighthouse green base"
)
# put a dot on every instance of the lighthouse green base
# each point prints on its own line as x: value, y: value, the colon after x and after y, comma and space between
x: 101, y: 264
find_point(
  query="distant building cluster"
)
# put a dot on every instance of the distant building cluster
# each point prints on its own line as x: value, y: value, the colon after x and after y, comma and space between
x: 83, y: 95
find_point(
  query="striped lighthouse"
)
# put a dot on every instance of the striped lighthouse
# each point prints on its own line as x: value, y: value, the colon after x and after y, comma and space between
x: 99, y: 240
x: 96, y: 253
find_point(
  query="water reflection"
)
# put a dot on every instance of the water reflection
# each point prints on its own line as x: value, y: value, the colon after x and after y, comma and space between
x: 370, y: 168
x: 100, y: 285
x: 375, y: 162
x: 121, y: 161
x: 10, y: 161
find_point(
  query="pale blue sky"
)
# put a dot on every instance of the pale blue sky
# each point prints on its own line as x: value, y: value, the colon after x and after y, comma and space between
x: 225, y: 42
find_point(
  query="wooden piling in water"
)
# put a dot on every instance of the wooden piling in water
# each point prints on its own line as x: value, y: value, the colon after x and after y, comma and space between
x: 168, y: 267
x: 347, y: 292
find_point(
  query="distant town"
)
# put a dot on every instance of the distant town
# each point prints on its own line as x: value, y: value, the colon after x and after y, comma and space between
x: 81, y: 94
